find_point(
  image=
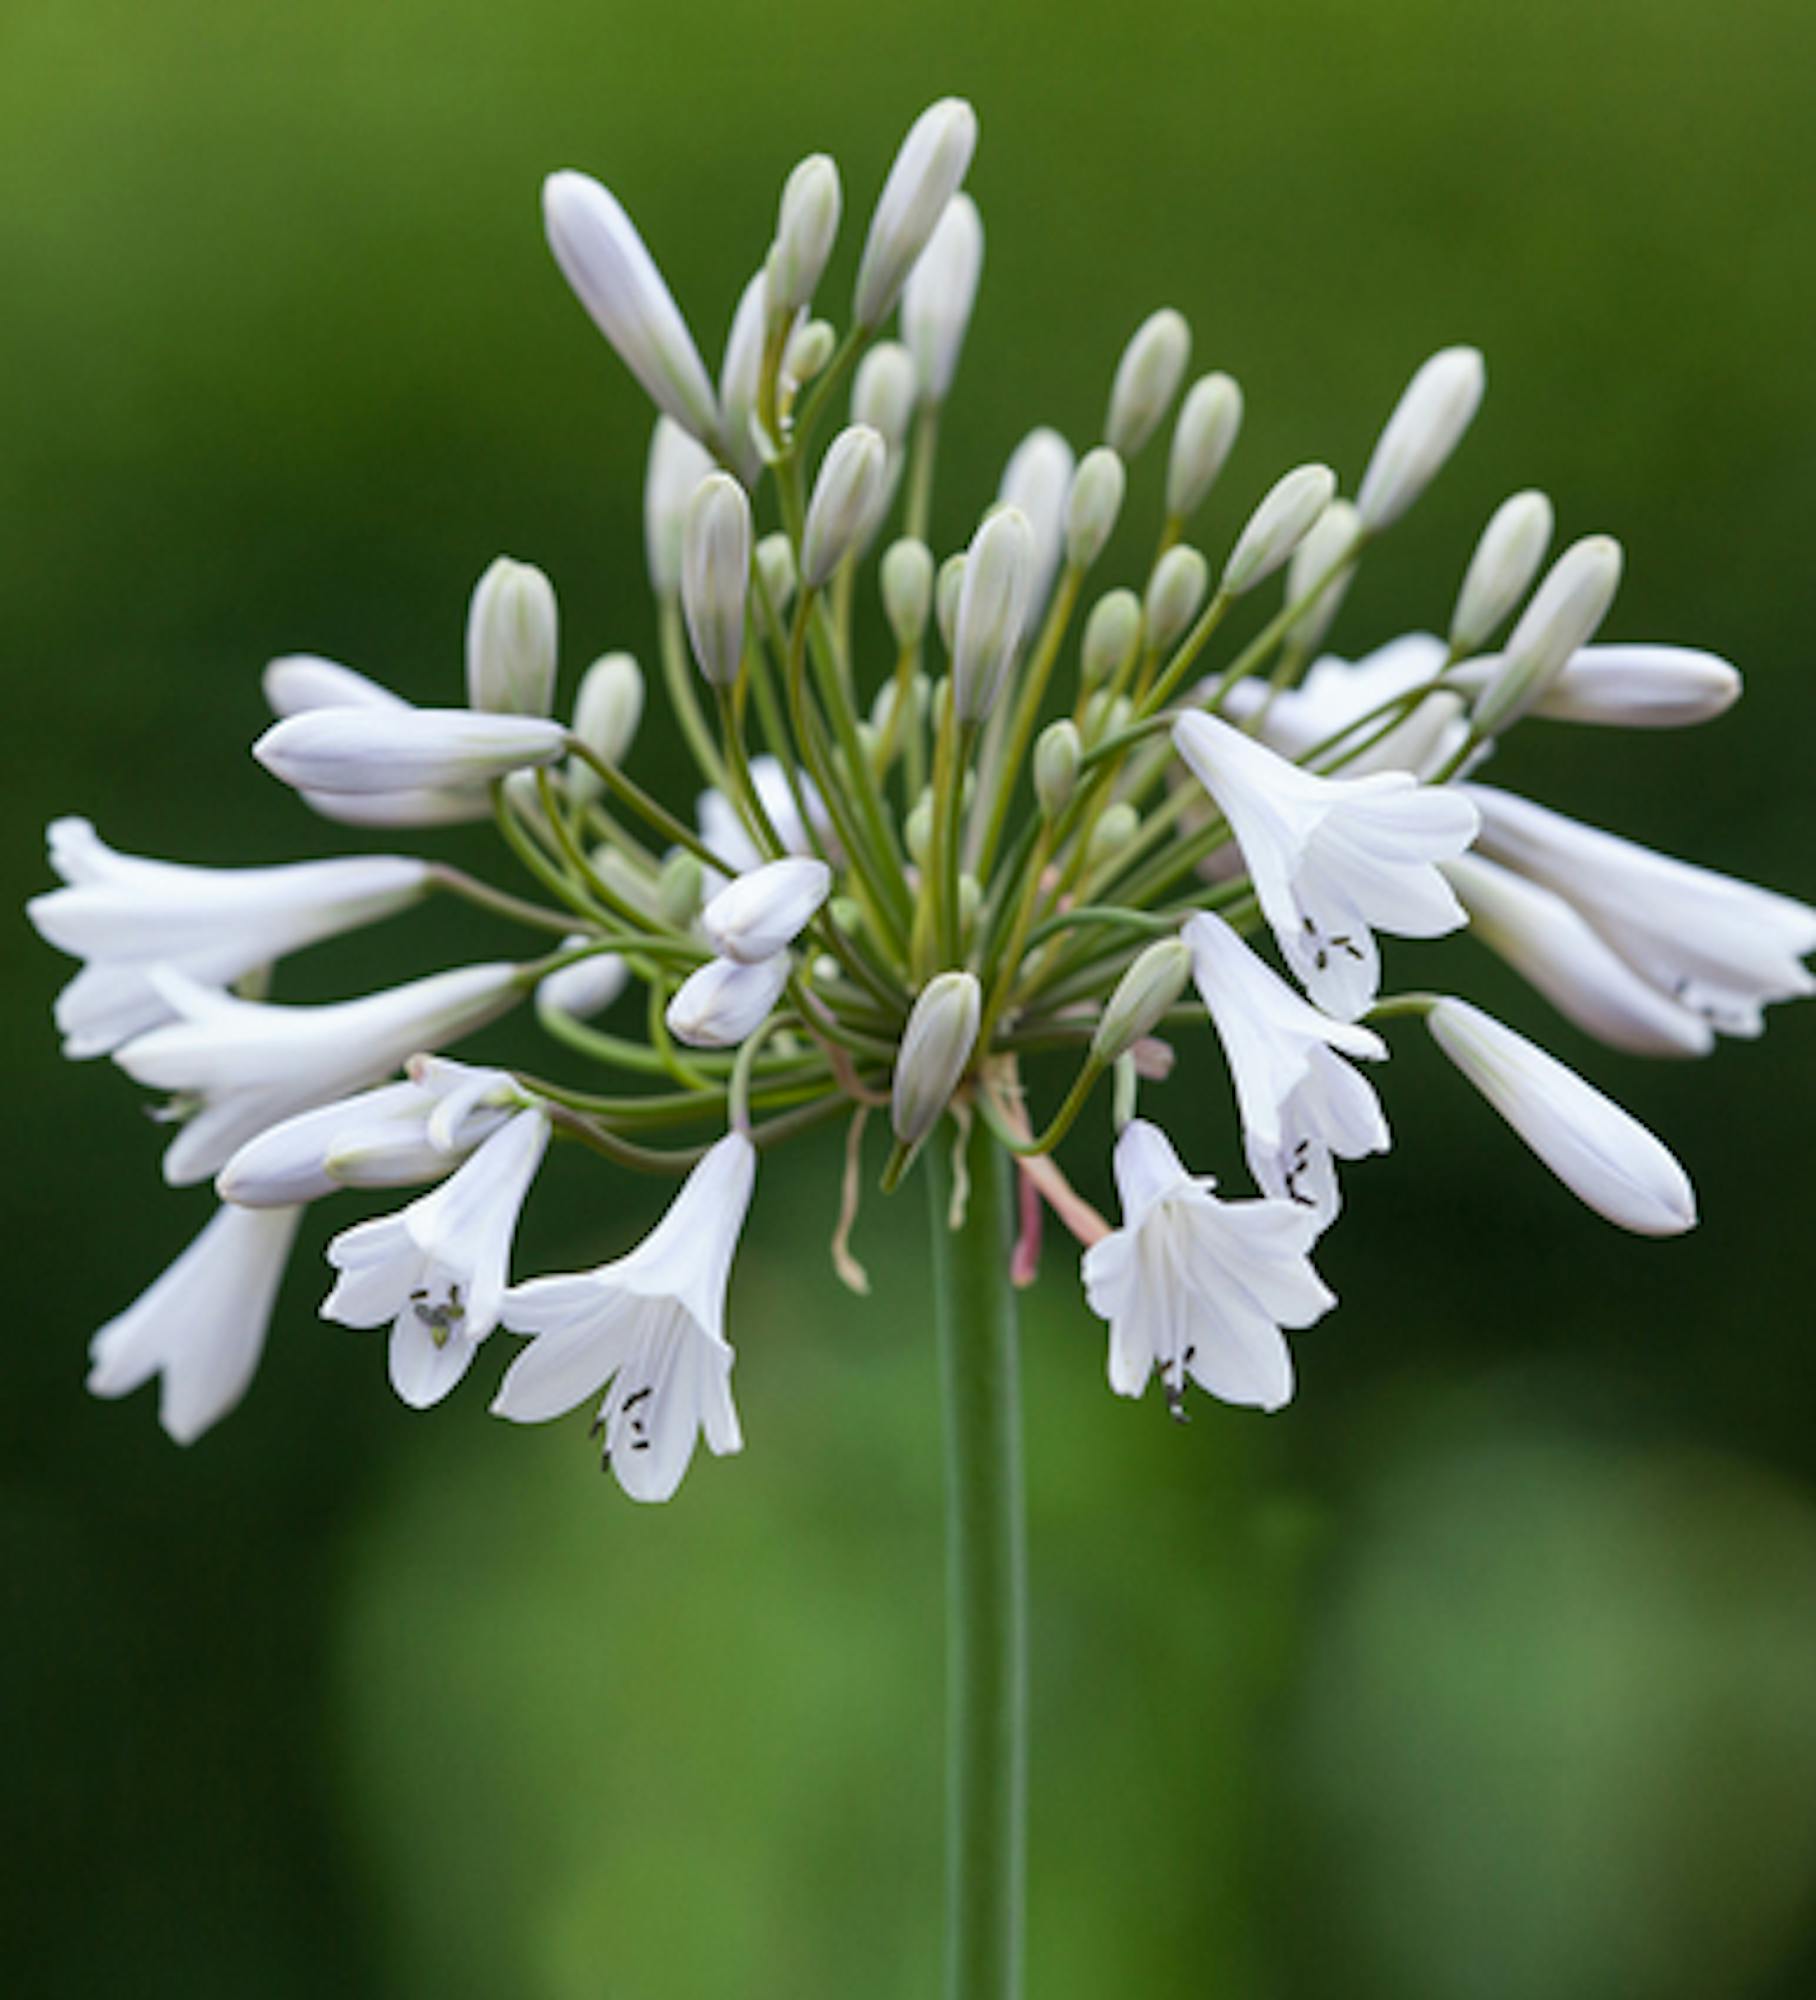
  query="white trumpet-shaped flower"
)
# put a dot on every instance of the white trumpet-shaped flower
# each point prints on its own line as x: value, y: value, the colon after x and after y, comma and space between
x: 1339, y: 695
x: 386, y: 751
x: 1200, y: 1288
x: 724, y: 1002
x: 437, y: 1270
x: 1332, y: 859
x: 1602, y: 1154
x: 616, y: 279
x: 124, y: 915
x: 652, y: 1324
x: 201, y: 1326
x: 1722, y: 948
x: 1303, y: 1107
x: 766, y: 909
x: 398, y: 1135
x: 237, y: 1067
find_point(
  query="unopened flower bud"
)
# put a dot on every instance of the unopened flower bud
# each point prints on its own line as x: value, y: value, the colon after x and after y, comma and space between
x: 766, y: 908
x: 809, y: 349
x: 1142, y: 996
x: 1056, y: 758
x: 1628, y: 687
x: 715, y: 575
x: 1093, y: 505
x: 1147, y: 379
x: 677, y: 464
x: 1328, y: 543
x: 679, y: 889
x: 1500, y: 572
x: 1203, y: 439
x: 807, y: 225
x: 1278, y: 526
x: 1175, y: 596
x: 935, y: 1051
x: 392, y: 750
x: 294, y: 683
x: 776, y: 566
x: 1115, y: 828
x: 992, y: 609
x: 848, y: 498
x: 907, y: 584
x: 923, y: 179
x: 724, y: 1003
x: 585, y: 988
x: 606, y: 714
x: 1112, y: 632
x: 741, y: 379
x: 917, y: 830
x: 1564, y: 613
x: 511, y: 628
x: 883, y: 392
x: 1427, y: 424
x: 1037, y: 481
x: 939, y: 295
x: 946, y: 588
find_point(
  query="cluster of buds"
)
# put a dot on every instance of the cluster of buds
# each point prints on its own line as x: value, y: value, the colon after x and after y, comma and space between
x: 1047, y: 823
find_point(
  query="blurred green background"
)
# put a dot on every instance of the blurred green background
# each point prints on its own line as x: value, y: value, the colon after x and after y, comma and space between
x: 1485, y: 1671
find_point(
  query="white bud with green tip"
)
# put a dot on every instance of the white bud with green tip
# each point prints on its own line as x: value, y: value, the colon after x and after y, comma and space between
x: 807, y: 226
x: 1500, y: 573
x: 847, y: 505
x: 715, y: 575
x: 935, y: 1052
x: 1112, y: 632
x: 1565, y: 612
x: 1093, y: 505
x: 1277, y: 527
x: 511, y: 641
x: 1143, y: 994
x: 1147, y: 379
x: 907, y: 584
x: 1057, y: 753
x: 1176, y: 593
x: 1203, y: 438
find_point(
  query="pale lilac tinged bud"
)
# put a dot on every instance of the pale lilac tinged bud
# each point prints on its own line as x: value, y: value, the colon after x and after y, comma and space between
x: 1565, y: 612
x: 926, y: 175
x: 907, y: 585
x: 677, y: 464
x: 1210, y: 419
x: 939, y: 295
x: 715, y: 575
x: 1147, y: 379
x: 1329, y: 542
x: 765, y: 909
x: 511, y: 641
x: 1426, y: 427
x: 1143, y: 994
x: 935, y: 1051
x: 1500, y: 573
x: 1175, y: 595
x: 1602, y: 1154
x: 393, y: 751
x: 848, y: 501
x: 1093, y: 505
x: 606, y: 714
x: 992, y: 611
x: 1277, y: 527
x: 883, y: 393
x: 807, y: 226
x: 1112, y: 632
x: 615, y: 278
x: 299, y: 682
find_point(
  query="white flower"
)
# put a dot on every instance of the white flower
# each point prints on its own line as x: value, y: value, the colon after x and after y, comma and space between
x: 939, y: 295
x: 1501, y: 570
x: 1336, y: 693
x: 677, y: 464
x: 1193, y: 1286
x: 1302, y: 1105
x: 994, y: 597
x: 923, y: 178
x: 1626, y: 687
x: 1427, y: 424
x: 1038, y: 481
x: 399, y: 1135
x: 385, y: 751
x: 298, y: 682
x: 723, y: 830
x: 653, y: 1324
x: 437, y: 1270
x: 723, y: 1003
x: 715, y: 575
x: 1148, y: 375
x: 247, y: 1065
x: 1602, y: 1154
x: 1724, y: 949
x: 585, y: 988
x: 1585, y: 979
x: 512, y: 633
x: 615, y: 278
x: 124, y: 915
x: 807, y: 224
x: 201, y: 1325
x: 1333, y: 859
x: 765, y: 909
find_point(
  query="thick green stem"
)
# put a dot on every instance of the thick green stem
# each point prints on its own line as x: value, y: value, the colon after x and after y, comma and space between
x: 986, y: 1586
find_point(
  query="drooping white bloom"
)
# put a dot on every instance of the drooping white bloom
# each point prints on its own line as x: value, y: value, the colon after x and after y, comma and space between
x: 1038, y: 481
x: 1500, y: 572
x: 437, y: 1270
x: 1337, y: 693
x: 1302, y: 1106
x: 993, y: 601
x: 248, y: 1064
x: 1602, y: 1154
x: 923, y: 178
x: 1203, y: 439
x: 615, y: 278
x: 1626, y: 687
x: 1722, y: 948
x: 399, y: 1135
x: 849, y: 495
x: 123, y: 915
x: 585, y: 988
x: 1565, y: 613
x: 1333, y: 859
x: 724, y: 831
x: 939, y: 295
x: 807, y: 224
x: 723, y: 1002
x: 765, y: 909
x: 677, y: 464
x: 385, y: 752
x: 1148, y: 376
x: 1200, y: 1288
x: 512, y: 629
x: 935, y: 1048
x: 1427, y: 424
x: 1093, y: 504
x: 1287, y: 513
x: 652, y: 1324
x: 1551, y: 944
x: 297, y: 682
x: 715, y: 575
x: 201, y: 1325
